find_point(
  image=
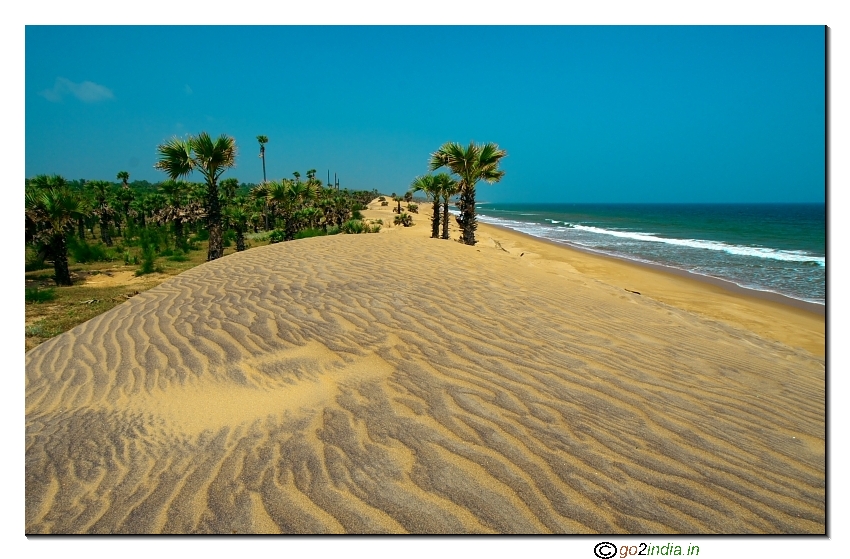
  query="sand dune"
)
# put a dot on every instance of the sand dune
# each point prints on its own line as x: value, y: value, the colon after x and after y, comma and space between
x: 394, y: 383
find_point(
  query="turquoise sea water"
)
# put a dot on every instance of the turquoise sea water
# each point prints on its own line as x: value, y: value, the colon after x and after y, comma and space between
x: 768, y: 247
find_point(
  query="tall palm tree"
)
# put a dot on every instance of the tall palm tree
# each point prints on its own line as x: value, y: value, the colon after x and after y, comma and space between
x: 297, y: 176
x: 124, y: 177
x: 263, y: 141
x: 53, y: 211
x: 447, y: 187
x: 178, y: 158
x: 472, y: 164
x: 428, y: 185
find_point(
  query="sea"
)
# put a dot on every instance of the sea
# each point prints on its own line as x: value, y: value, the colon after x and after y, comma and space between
x: 779, y: 248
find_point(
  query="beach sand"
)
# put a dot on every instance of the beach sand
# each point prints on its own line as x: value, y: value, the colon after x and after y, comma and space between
x: 392, y: 383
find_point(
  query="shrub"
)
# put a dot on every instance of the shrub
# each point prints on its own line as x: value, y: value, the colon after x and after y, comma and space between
x: 178, y: 258
x: 381, y: 199
x: 202, y: 235
x: 149, y: 243
x: 385, y: 203
x: 353, y: 226
x: 82, y: 252
x: 413, y: 208
x: 404, y: 219
x: 357, y: 215
x: 333, y: 230
x: 276, y: 236
x: 374, y: 228
x: 36, y: 295
x: 307, y: 233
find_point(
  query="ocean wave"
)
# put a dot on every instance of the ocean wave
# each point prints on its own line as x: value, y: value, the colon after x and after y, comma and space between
x: 759, y: 252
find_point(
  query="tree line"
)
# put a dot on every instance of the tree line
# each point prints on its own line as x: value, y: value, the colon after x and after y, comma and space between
x: 59, y: 212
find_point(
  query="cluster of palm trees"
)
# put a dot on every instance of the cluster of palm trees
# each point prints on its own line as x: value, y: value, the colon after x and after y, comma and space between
x: 55, y: 207
x: 471, y: 164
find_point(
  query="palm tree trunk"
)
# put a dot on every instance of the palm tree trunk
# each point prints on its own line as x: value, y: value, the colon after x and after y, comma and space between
x: 263, y: 154
x: 81, y: 229
x: 178, y: 232
x: 104, y: 230
x: 240, y: 239
x: 446, y: 217
x: 435, y: 220
x: 59, y: 250
x: 467, y: 219
x: 216, y: 249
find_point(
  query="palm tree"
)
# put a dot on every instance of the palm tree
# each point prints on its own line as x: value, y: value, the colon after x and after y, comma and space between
x: 428, y: 185
x: 237, y: 216
x: 286, y: 197
x: 297, y: 176
x: 177, y: 208
x: 260, y: 194
x: 125, y: 196
x: 178, y: 158
x: 447, y: 187
x: 52, y: 211
x: 263, y: 141
x: 472, y: 164
x: 102, y: 192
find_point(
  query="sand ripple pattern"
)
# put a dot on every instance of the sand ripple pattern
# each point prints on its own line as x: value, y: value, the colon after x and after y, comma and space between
x: 375, y: 384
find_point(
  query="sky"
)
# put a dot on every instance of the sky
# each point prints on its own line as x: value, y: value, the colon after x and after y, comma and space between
x: 585, y: 113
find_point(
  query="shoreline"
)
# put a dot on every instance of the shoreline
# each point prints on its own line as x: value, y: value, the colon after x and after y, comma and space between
x: 772, y: 316
x: 777, y: 318
x: 814, y: 308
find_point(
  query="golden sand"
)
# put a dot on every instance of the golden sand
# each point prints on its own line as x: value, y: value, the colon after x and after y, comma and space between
x: 396, y: 383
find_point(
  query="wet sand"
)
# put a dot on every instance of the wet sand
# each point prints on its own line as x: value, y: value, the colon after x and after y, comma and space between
x: 394, y: 383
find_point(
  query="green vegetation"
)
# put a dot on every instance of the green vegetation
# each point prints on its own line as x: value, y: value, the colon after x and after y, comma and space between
x: 89, y: 231
x: 403, y: 219
x: 471, y: 164
x: 36, y: 295
x: 437, y: 188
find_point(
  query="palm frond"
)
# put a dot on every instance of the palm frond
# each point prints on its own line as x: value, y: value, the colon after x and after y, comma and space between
x: 175, y: 158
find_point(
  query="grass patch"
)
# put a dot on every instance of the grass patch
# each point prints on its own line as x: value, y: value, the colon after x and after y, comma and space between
x: 36, y: 295
x: 41, y: 329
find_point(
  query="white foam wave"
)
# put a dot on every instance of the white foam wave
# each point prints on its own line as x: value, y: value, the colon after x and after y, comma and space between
x: 759, y: 252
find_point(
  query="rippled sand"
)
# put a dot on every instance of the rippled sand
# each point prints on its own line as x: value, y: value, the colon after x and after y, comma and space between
x: 394, y: 383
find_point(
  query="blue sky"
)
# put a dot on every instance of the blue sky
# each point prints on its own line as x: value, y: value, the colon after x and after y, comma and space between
x: 587, y: 114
